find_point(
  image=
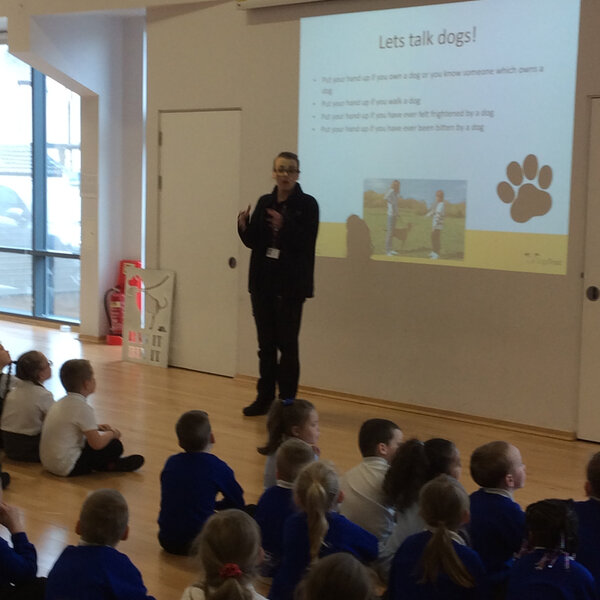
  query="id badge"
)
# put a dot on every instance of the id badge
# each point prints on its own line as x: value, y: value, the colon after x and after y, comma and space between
x: 273, y: 253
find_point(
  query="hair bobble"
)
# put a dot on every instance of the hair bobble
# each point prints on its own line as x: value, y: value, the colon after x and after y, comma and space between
x: 229, y: 570
x: 287, y: 401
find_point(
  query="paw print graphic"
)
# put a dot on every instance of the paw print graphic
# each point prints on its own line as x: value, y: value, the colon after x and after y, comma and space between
x: 528, y: 199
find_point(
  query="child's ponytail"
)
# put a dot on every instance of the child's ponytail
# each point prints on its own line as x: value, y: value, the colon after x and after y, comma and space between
x: 5, y: 382
x: 443, y: 504
x: 30, y: 365
x: 414, y: 464
x: 283, y: 416
x: 316, y: 490
x: 6, y: 385
x: 228, y: 549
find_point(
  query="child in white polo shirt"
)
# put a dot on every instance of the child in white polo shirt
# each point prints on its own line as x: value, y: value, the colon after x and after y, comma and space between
x: 72, y: 442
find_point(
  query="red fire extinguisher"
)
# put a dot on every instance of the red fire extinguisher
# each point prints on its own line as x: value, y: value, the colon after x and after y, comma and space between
x: 114, y: 305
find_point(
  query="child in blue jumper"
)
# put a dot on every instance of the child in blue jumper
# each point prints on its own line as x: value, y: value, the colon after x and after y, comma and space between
x: 435, y: 564
x: 18, y: 564
x: 277, y: 503
x: 497, y: 526
x: 190, y: 482
x: 545, y: 568
x: 94, y: 569
x: 317, y: 530
x: 588, y: 513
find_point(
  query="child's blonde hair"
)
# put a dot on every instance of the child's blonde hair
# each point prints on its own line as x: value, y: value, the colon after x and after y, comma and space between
x: 283, y: 416
x: 228, y: 549
x: 291, y: 456
x: 443, y: 505
x: 316, y: 490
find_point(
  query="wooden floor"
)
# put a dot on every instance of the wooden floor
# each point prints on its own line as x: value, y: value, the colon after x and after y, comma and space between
x: 145, y: 402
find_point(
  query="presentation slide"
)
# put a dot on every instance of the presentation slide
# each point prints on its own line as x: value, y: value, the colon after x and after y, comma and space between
x: 442, y: 134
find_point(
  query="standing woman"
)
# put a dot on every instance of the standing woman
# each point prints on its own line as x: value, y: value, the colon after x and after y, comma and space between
x: 282, y: 234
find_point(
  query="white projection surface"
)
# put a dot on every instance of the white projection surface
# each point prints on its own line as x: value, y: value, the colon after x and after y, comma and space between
x: 472, y: 102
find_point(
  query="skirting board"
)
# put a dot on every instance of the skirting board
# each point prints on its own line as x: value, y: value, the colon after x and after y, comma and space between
x: 434, y: 412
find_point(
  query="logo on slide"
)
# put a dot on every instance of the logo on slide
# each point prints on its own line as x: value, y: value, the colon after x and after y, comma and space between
x: 528, y: 199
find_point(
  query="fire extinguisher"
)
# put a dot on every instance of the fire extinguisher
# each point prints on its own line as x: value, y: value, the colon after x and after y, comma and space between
x: 114, y: 305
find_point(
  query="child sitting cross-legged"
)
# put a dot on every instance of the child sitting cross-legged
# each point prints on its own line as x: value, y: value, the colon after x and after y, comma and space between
x: 228, y: 552
x: 277, y: 503
x: 7, y: 382
x: 94, y: 569
x: 545, y: 568
x: 190, y: 482
x: 317, y: 530
x: 25, y: 408
x: 72, y: 442
x: 435, y: 564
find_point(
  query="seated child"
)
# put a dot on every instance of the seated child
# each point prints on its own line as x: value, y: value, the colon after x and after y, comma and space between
x: 18, y: 564
x: 317, y: 530
x: 72, y: 443
x: 25, y: 408
x: 190, y: 482
x: 277, y: 503
x: 414, y: 464
x: 364, y: 501
x: 228, y: 550
x: 436, y: 564
x: 337, y: 577
x: 497, y: 526
x: 6, y: 379
x: 6, y: 384
x: 288, y: 418
x: 588, y: 513
x: 545, y: 568
x: 94, y: 569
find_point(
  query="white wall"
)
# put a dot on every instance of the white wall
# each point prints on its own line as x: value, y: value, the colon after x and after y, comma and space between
x: 496, y: 344
x: 101, y: 58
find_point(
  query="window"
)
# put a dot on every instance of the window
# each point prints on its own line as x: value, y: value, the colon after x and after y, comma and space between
x: 40, y: 201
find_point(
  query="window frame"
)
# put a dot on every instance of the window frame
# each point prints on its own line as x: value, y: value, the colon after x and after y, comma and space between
x: 42, y: 299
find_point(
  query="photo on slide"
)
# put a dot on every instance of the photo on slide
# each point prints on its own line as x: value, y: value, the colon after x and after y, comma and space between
x: 416, y: 218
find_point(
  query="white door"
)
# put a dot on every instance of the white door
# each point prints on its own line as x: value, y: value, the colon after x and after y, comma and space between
x: 588, y: 427
x: 198, y: 205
